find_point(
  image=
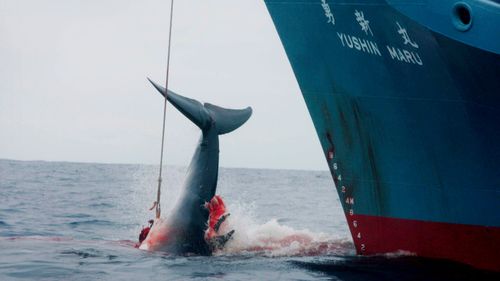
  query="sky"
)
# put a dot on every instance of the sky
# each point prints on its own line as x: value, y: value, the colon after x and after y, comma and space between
x: 73, y: 82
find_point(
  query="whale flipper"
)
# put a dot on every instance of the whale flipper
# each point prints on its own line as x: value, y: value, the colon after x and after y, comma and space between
x: 220, y: 221
x: 227, y: 120
x: 218, y: 242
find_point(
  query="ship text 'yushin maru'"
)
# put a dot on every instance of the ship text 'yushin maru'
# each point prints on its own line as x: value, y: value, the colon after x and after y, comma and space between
x: 405, y: 99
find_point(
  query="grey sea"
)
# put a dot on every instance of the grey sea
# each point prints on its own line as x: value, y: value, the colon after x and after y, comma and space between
x: 78, y: 221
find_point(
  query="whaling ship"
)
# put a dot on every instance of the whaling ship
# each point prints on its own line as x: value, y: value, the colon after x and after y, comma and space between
x: 405, y: 99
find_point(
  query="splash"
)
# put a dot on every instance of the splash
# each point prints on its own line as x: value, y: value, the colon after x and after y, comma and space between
x: 273, y: 239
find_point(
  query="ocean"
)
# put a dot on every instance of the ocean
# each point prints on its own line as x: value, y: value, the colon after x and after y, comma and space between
x: 80, y: 221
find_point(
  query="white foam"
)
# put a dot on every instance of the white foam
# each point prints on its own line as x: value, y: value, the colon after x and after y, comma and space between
x: 399, y: 253
x: 274, y: 239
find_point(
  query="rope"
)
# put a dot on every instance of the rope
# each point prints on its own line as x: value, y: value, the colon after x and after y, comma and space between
x: 158, y: 193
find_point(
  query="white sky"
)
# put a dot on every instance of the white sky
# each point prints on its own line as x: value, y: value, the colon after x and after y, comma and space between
x: 73, y: 82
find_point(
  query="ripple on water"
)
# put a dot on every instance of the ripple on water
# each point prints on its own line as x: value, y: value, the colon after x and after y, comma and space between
x: 66, y: 179
x: 85, y: 253
x: 41, y: 271
x: 89, y: 253
x: 90, y: 222
x: 75, y: 216
x: 12, y: 210
x: 101, y: 205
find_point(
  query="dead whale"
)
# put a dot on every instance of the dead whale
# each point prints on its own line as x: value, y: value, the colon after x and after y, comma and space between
x: 183, y: 229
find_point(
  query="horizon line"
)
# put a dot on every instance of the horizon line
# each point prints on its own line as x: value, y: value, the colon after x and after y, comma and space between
x: 156, y: 165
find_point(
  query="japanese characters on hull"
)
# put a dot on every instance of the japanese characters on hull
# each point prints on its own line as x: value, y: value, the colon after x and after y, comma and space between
x: 367, y: 43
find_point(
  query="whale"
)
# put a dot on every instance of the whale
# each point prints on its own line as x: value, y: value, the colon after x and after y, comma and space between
x: 182, y: 231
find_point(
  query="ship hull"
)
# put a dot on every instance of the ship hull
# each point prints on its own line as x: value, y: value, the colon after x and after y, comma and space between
x: 408, y: 117
x: 470, y: 244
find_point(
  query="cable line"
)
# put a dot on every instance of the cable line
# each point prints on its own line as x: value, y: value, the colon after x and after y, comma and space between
x: 158, y: 193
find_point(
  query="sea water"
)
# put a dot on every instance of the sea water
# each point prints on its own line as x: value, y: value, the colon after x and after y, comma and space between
x: 78, y: 221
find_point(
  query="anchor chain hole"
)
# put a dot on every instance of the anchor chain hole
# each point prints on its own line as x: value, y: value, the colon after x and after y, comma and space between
x: 462, y: 16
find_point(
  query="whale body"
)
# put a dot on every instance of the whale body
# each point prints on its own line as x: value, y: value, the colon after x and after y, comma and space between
x: 182, y: 230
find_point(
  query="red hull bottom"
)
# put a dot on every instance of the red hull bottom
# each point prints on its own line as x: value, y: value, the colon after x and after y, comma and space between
x: 478, y: 246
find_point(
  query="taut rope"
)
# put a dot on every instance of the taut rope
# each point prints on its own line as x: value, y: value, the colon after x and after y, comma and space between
x: 158, y: 194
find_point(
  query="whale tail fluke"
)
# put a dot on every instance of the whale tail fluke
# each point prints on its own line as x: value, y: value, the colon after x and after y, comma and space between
x: 190, y: 108
x: 227, y: 120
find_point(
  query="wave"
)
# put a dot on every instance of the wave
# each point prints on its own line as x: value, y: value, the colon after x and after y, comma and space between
x: 39, y: 238
x: 273, y: 239
x: 76, y: 216
x: 90, y: 222
x: 101, y: 205
x: 87, y: 253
